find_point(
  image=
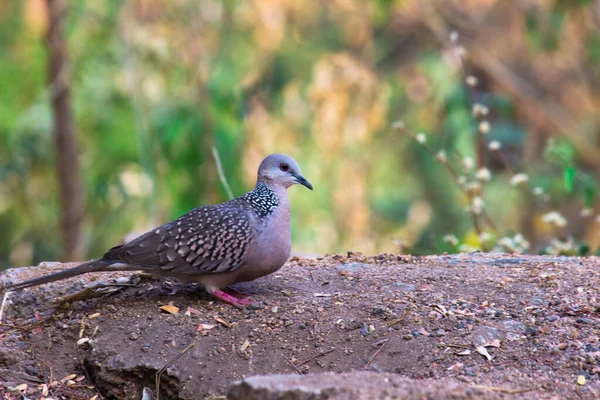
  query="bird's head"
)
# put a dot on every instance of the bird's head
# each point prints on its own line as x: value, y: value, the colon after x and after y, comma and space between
x: 281, y: 170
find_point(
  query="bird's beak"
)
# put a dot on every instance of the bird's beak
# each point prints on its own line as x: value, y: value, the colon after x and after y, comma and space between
x: 301, y: 180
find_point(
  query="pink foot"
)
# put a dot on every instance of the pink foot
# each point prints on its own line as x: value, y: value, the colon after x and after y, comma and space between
x: 236, y: 293
x: 227, y: 298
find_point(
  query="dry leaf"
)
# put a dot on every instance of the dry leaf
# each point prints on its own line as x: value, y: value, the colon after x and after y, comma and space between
x: 22, y: 387
x: 79, y: 378
x: 68, y: 377
x: 441, y: 309
x: 322, y: 295
x: 483, y: 351
x: 464, y: 353
x: 94, y: 315
x: 95, y: 397
x: 223, y: 322
x: 44, y: 390
x: 170, y: 309
x: 245, y: 345
x: 581, y: 380
x: 194, y: 311
x: 82, y: 341
x: 205, y: 327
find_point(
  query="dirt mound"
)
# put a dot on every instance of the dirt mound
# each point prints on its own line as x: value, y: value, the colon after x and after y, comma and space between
x: 478, y: 326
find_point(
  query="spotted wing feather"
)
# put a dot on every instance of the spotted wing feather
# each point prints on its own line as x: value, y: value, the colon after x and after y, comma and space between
x: 209, y: 239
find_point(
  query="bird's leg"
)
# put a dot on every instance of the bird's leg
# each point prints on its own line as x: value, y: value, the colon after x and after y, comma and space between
x: 236, y: 293
x: 227, y: 298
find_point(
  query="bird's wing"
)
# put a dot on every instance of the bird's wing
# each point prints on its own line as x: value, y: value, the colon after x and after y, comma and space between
x: 209, y: 239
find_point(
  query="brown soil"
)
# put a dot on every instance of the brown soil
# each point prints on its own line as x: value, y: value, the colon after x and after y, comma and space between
x: 425, y: 318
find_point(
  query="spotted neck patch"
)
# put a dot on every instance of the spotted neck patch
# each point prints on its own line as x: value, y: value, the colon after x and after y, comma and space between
x: 262, y: 200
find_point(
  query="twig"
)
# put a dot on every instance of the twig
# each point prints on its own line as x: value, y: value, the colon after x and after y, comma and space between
x: 317, y: 356
x: 4, y: 299
x: 402, y: 317
x: 295, y: 367
x: 375, y: 354
x: 168, y: 364
x: 221, y: 173
x: 90, y: 292
x: 27, y: 377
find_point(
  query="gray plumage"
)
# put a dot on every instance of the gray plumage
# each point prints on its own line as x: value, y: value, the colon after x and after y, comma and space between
x: 215, y: 245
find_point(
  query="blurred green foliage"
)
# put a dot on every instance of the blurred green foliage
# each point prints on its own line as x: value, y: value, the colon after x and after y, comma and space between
x: 156, y: 84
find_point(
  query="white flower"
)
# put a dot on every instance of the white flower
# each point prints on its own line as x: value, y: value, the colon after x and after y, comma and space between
x: 585, y: 212
x: 477, y: 205
x: 484, y: 127
x: 484, y: 237
x: 471, y: 80
x: 420, y: 137
x: 473, y: 187
x: 494, y: 145
x: 441, y: 157
x: 450, y: 239
x: 538, y: 191
x: 398, y: 124
x: 462, y: 180
x: 479, y: 110
x: 507, y: 243
x: 483, y: 174
x: 519, y: 178
x: 468, y: 163
x: 453, y: 36
x: 554, y: 218
x: 520, y: 241
x: 465, y: 248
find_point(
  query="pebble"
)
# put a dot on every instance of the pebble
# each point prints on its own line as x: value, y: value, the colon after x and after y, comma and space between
x: 408, y: 336
x: 134, y: 336
x: 552, y: 318
x: 31, y: 370
x: 590, y: 348
x: 531, y: 331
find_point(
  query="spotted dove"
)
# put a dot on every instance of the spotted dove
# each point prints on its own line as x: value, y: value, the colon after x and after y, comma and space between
x: 216, y: 245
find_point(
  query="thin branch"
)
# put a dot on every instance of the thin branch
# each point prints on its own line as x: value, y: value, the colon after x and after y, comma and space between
x: 4, y: 300
x: 215, y: 154
x: 169, y: 363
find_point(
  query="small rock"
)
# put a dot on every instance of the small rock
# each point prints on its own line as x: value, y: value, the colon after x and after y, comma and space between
x: 583, y: 320
x: 408, y: 336
x: 440, y: 332
x: 31, y: 370
x: 552, y: 318
x: 302, y: 325
x: 531, y: 331
x: 134, y: 336
x: 590, y: 348
x: 364, y: 330
x: 486, y: 334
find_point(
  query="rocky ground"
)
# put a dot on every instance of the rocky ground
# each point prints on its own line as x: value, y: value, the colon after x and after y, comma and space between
x: 462, y: 326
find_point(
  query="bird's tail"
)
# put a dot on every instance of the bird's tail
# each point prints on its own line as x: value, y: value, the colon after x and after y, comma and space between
x: 90, y: 266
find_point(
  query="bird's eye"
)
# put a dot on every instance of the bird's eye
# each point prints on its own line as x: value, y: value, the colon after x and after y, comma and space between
x: 284, y: 167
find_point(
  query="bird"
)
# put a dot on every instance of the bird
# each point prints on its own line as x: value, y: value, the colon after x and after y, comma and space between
x: 214, y: 245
